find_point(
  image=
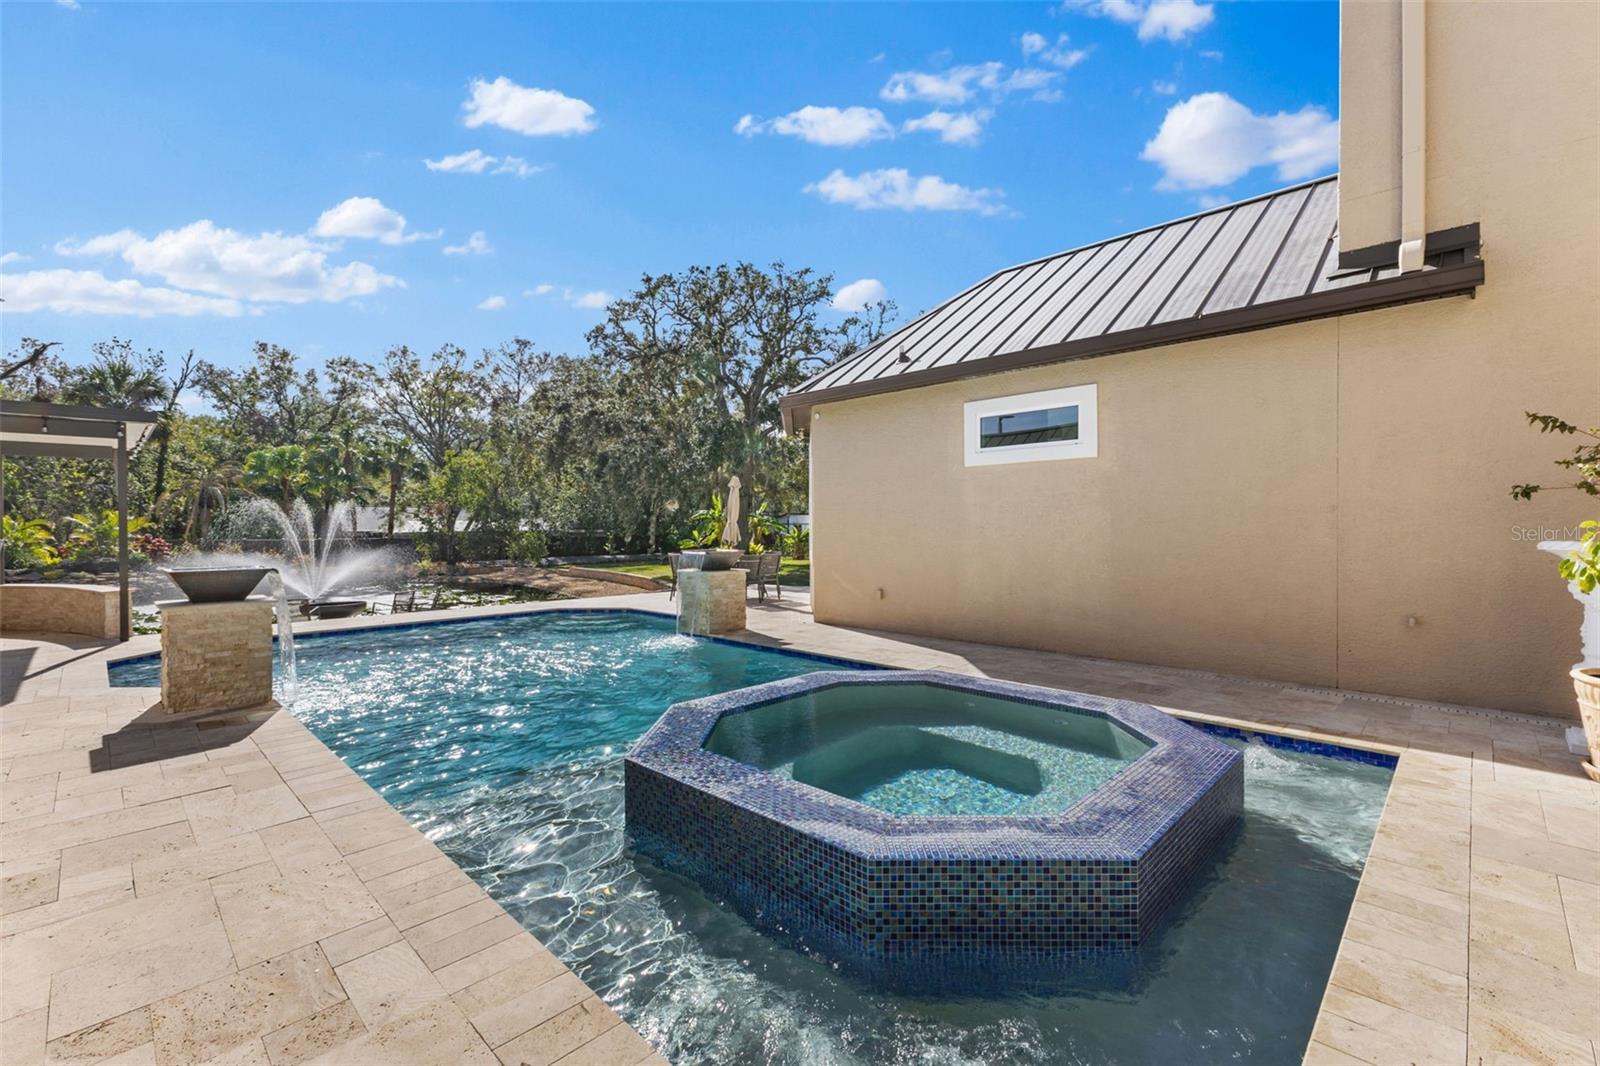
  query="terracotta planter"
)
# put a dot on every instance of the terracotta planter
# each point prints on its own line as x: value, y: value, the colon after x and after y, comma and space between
x: 1586, y: 679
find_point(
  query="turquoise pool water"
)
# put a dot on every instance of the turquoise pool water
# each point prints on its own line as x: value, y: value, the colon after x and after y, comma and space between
x: 926, y: 750
x: 502, y: 740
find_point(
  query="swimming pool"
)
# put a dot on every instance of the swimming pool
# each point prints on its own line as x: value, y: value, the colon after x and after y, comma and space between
x: 502, y: 739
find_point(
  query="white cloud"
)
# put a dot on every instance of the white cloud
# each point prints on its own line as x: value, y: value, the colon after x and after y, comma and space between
x: 517, y: 167
x: 492, y: 303
x: 473, y: 161
x: 1211, y: 53
x: 267, y: 267
x: 1208, y: 200
x: 366, y: 218
x: 1173, y: 20
x: 12, y: 257
x: 89, y: 292
x: 70, y: 5
x: 964, y: 127
x: 594, y: 298
x: 858, y: 294
x: 477, y: 161
x: 1170, y: 20
x: 1163, y: 88
x: 895, y: 188
x: 1060, y: 54
x: 833, y: 127
x: 477, y: 244
x: 534, y: 112
x: 957, y: 85
x: 1211, y: 140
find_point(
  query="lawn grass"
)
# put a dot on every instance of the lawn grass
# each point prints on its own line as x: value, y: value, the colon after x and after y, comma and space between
x: 791, y: 572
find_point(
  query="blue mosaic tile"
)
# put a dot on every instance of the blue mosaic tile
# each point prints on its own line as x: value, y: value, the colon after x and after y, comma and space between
x: 899, y: 894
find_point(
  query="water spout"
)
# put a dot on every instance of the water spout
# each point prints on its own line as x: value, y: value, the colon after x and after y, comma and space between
x: 291, y: 674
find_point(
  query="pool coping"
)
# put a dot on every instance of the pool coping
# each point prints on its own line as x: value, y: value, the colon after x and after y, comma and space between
x: 1457, y: 945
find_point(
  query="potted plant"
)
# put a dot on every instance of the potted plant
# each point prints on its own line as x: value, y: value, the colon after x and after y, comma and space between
x: 1580, y: 566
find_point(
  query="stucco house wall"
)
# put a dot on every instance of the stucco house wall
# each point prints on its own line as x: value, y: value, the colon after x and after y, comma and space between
x: 1325, y: 502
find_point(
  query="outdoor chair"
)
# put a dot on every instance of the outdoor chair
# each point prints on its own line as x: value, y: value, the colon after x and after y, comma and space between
x: 402, y: 602
x: 762, y: 570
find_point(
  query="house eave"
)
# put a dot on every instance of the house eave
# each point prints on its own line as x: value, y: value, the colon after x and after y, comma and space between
x: 1461, y: 279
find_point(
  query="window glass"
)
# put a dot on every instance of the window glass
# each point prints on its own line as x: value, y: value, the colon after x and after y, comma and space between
x: 1029, y: 427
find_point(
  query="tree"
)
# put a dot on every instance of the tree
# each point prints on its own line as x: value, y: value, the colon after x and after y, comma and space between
x: 273, y: 402
x: 440, y: 407
x: 732, y: 340
x: 458, y: 486
x: 338, y: 466
x: 397, y: 464
x: 280, y: 471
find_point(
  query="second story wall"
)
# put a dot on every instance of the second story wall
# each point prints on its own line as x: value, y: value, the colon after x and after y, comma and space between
x: 1511, y: 88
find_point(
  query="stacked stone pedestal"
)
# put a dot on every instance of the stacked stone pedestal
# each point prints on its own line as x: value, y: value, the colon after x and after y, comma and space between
x: 712, y: 601
x: 216, y: 656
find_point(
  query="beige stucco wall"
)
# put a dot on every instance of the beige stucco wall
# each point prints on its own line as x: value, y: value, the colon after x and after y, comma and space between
x: 1507, y: 83
x: 1283, y: 503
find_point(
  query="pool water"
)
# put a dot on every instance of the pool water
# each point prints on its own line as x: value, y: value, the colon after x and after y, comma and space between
x: 919, y: 749
x: 502, y: 739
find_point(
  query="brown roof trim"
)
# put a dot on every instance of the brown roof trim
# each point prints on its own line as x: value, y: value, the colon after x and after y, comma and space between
x: 1461, y: 279
x: 1387, y: 254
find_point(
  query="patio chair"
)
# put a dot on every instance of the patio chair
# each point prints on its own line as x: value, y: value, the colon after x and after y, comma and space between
x: 402, y: 602
x: 762, y: 570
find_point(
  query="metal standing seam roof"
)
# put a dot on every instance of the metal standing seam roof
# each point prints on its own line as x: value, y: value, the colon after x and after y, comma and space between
x: 1259, y: 262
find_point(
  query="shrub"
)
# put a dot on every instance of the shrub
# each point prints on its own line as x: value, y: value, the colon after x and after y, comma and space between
x: 528, y: 546
x: 152, y: 545
x: 30, y: 542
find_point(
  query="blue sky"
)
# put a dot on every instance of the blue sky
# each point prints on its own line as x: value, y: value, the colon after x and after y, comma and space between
x: 206, y: 176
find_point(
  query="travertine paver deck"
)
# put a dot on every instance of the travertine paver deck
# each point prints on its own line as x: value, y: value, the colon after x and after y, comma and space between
x: 177, y: 894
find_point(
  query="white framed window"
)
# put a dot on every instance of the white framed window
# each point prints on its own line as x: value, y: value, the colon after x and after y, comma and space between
x: 1032, y: 427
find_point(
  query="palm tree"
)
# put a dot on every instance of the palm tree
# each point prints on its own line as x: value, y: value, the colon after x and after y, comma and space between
x: 280, y: 470
x: 398, y: 463
x: 338, y: 467
x: 115, y: 379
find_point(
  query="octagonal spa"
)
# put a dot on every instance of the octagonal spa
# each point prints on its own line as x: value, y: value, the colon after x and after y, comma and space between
x: 917, y: 821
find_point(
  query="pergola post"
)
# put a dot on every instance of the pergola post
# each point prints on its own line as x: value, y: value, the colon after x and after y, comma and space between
x: 125, y: 601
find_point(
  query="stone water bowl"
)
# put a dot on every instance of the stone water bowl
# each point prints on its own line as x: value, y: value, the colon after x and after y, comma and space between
x: 217, y: 584
x: 332, y: 608
x: 712, y: 559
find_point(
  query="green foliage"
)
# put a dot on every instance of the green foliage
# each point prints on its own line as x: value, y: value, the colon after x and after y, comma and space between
x: 30, y: 542
x: 1584, y: 460
x: 1582, y: 564
x: 765, y: 531
x: 677, y: 391
x: 706, y: 531
x: 94, y: 536
x: 795, y: 543
x: 279, y: 472
x: 529, y: 546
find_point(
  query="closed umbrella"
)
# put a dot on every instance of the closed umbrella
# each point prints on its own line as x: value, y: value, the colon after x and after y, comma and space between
x: 730, y: 527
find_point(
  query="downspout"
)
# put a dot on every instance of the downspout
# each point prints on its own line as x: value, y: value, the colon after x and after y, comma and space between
x: 1413, y: 134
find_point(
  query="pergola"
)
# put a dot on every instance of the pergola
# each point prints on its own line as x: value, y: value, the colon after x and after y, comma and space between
x: 73, y: 431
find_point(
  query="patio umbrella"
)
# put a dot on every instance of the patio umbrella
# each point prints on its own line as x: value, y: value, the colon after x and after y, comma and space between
x: 730, y: 527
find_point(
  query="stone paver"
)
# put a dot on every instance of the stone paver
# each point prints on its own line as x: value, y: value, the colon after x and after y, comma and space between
x: 170, y: 893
